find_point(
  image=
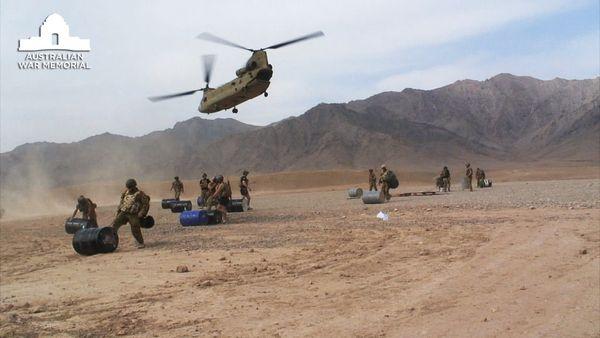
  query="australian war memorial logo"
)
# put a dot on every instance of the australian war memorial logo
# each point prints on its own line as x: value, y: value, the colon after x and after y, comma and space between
x: 54, y: 48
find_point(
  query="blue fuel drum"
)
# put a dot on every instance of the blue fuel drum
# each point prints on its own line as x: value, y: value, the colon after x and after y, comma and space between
x: 199, y: 217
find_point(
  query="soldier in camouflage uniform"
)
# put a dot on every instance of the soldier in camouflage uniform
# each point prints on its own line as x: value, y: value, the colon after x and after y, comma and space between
x: 133, y: 207
x: 204, y: 188
x: 445, y: 176
x: 222, y: 195
x: 383, y: 180
x: 482, y: 178
x: 469, y: 175
x: 372, y: 180
x: 177, y: 187
x: 245, y: 187
x: 210, y: 201
x: 87, y: 208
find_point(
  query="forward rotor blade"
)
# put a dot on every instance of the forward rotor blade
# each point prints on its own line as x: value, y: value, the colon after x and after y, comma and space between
x: 170, y: 96
x: 212, y: 38
x: 209, y: 62
x: 302, y: 38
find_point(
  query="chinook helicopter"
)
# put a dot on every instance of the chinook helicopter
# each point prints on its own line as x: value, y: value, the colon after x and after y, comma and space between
x: 251, y: 80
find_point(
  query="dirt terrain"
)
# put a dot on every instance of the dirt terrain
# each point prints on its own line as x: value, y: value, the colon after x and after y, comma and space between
x: 519, y: 259
x: 46, y: 202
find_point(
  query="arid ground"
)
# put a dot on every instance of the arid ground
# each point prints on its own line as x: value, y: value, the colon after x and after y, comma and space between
x: 519, y: 259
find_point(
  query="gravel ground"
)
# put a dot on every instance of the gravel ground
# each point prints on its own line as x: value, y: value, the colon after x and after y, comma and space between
x: 519, y: 259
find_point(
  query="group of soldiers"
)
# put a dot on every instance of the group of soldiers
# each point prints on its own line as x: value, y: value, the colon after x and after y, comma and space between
x: 479, y: 176
x: 134, y: 204
x: 443, y: 181
x: 215, y: 189
x: 133, y: 208
x: 382, y: 180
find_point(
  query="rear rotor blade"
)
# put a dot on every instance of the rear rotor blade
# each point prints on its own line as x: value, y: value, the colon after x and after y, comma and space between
x: 302, y: 38
x: 209, y: 62
x: 213, y: 38
x: 170, y: 96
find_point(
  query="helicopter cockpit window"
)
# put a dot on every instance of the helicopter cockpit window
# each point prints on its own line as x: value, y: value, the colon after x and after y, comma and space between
x: 251, y: 65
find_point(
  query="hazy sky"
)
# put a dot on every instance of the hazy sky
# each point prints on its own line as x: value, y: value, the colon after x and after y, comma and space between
x: 144, y: 48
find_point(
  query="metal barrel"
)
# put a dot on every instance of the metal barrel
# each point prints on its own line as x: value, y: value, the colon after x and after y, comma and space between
x: 179, y: 206
x: 355, y: 192
x: 166, y: 203
x: 373, y: 197
x: 237, y: 205
x: 147, y: 222
x: 93, y: 241
x: 76, y: 224
x: 200, y: 217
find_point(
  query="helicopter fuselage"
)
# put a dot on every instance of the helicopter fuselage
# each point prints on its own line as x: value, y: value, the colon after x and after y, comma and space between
x: 251, y: 81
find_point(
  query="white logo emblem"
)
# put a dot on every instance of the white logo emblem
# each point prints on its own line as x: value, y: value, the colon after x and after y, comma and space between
x: 54, y: 35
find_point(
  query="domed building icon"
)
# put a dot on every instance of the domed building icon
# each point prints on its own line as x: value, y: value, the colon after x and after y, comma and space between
x: 54, y: 35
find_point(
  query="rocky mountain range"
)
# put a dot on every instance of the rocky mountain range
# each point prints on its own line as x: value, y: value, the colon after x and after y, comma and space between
x: 503, y: 119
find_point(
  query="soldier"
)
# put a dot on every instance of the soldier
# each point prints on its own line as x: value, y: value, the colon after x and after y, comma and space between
x: 478, y: 177
x: 372, y: 180
x: 87, y: 208
x: 245, y: 188
x: 204, y: 188
x: 177, y: 187
x: 482, y: 178
x: 469, y: 174
x: 134, y: 206
x: 383, y: 180
x: 222, y: 194
x: 210, y: 201
x: 445, y: 175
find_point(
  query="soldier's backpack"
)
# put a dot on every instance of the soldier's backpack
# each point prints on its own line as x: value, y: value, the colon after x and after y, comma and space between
x: 392, y: 180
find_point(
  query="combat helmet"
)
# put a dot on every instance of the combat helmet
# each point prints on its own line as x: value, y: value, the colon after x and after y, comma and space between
x: 130, y: 183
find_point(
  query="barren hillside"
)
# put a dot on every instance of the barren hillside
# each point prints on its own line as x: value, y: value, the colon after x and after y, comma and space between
x: 503, y: 119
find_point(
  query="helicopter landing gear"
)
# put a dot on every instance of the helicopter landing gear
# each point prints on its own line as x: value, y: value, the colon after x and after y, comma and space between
x: 266, y: 94
x: 234, y: 110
